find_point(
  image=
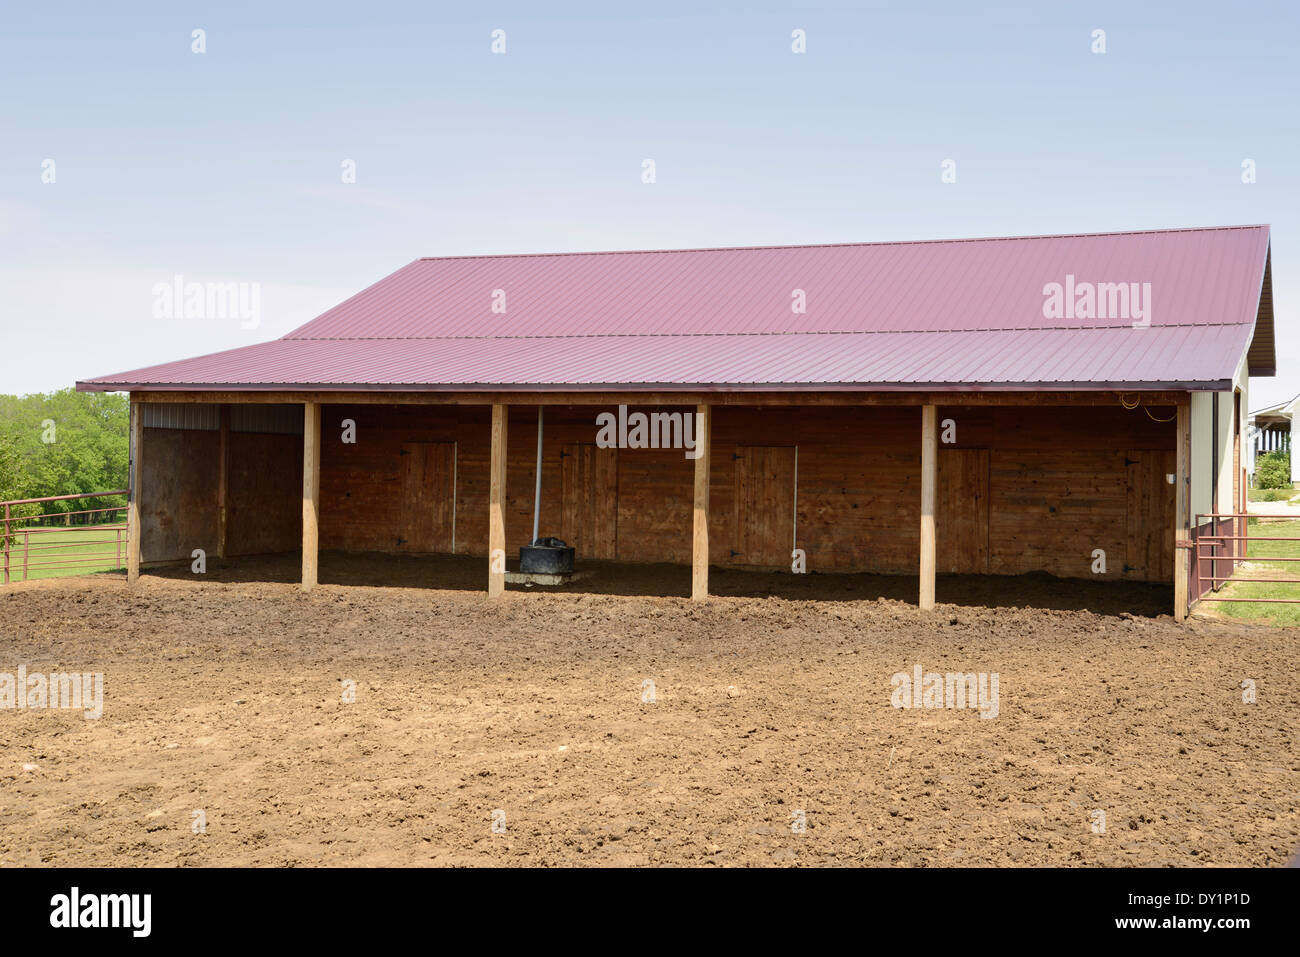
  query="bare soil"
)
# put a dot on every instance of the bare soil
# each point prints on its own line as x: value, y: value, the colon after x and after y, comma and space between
x: 224, y: 694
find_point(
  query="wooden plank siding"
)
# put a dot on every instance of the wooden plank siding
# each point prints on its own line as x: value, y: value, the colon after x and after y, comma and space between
x: 962, y: 512
x: 178, y: 493
x: 428, y: 497
x: 1020, y: 488
x: 589, y: 493
x: 763, y: 506
x: 264, y: 492
x: 1050, y: 510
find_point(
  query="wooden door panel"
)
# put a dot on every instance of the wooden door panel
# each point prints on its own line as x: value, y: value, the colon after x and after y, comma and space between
x: 1149, y: 552
x: 962, y: 512
x: 428, y: 496
x: 764, y: 502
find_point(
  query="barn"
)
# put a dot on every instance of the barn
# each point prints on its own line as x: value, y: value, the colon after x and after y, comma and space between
x: 1063, y: 404
x: 1270, y: 430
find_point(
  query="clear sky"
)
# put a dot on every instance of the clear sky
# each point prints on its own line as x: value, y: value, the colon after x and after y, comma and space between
x: 226, y: 166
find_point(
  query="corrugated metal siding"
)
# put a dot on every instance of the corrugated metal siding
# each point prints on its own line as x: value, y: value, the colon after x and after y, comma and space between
x: 958, y: 313
x: 277, y: 419
x: 181, y: 415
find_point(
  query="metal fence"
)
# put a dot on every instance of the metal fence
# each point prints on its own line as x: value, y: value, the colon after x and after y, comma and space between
x: 77, y: 541
x: 1219, y: 554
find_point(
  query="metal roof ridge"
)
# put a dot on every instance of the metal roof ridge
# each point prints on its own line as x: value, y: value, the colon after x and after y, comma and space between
x: 852, y: 245
x: 726, y: 335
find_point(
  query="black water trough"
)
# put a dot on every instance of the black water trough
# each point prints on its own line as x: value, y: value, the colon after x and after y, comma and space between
x: 546, y: 556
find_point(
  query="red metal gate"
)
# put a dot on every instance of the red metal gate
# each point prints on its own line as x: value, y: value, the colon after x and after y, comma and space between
x: 1221, y: 551
x: 79, y: 541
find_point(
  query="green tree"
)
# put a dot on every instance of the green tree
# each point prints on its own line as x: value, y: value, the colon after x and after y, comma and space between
x: 1273, y: 469
x: 9, y: 483
x: 64, y: 443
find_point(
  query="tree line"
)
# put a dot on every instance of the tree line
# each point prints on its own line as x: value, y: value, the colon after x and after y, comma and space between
x: 63, y: 443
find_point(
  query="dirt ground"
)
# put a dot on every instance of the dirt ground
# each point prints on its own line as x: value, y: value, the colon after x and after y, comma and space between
x: 772, y: 705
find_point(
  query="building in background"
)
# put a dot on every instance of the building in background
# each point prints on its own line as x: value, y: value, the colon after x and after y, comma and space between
x: 1270, y: 431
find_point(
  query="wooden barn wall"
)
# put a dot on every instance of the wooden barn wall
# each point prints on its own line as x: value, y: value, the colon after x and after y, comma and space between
x: 264, y: 497
x: 178, y: 502
x: 1020, y: 489
x: 178, y: 494
x: 1065, y: 482
x: 361, y: 484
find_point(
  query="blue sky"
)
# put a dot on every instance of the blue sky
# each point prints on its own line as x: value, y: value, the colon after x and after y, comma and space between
x: 225, y: 166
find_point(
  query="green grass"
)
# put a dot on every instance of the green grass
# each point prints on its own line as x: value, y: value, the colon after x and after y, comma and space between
x: 1258, y: 553
x: 1269, y: 494
x: 93, y: 545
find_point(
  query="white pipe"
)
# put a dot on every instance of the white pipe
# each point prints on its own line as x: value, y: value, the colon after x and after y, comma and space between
x: 537, y: 494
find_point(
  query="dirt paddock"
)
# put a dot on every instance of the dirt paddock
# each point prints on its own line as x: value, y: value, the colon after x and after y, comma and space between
x: 772, y: 706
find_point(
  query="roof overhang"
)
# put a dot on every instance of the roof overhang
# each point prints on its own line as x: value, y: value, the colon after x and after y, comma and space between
x: 1261, y: 357
x: 1218, y: 385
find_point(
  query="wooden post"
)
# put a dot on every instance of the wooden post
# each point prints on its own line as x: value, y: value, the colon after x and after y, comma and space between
x: 133, y: 530
x: 700, y: 537
x: 310, y: 493
x: 1183, y: 552
x: 496, y: 504
x: 1237, y: 551
x: 223, y: 480
x: 929, y: 473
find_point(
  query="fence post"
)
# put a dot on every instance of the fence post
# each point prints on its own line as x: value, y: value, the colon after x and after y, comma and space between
x: 1243, y: 521
x: 6, y: 543
x: 27, y: 544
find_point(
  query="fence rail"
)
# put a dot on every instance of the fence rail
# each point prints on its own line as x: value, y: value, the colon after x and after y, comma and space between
x: 90, y: 539
x: 1230, y: 550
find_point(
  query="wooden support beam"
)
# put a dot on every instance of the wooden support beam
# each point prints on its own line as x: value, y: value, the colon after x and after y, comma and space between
x: 310, y: 493
x: 223, y: 481
x: 1183, y: 553
x: 700, y: 535
x: 929, y: 475
x: 136, y: 455
x: 496, y: 504
x: 1237, y: 550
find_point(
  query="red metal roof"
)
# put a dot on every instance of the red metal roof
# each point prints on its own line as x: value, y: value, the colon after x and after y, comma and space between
x: 942, y: 314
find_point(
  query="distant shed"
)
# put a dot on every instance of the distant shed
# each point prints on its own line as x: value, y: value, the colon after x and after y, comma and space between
x: 1270, y: 429
x: 990, y: 406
